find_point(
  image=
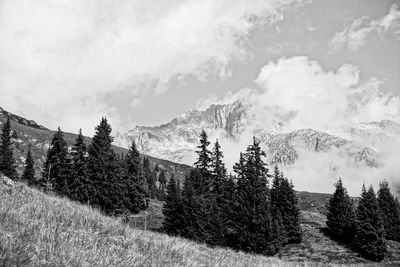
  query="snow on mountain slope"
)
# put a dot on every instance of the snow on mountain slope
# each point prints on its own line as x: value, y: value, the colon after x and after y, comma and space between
x: 177, y: 139
x: 361, y: 152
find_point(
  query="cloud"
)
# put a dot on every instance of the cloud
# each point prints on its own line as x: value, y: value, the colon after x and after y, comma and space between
x: 56, y: 54
x: 355, y: 36
x: 300, y: 93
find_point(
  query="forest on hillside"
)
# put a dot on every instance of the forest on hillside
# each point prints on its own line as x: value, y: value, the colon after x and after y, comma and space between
x: 255, y: 209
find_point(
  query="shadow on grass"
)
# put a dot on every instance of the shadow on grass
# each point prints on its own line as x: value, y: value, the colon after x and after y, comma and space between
x: 343, y: 242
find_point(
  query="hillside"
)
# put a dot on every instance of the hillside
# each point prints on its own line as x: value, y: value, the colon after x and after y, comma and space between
x: 39, y: 137
x: 41, y: 230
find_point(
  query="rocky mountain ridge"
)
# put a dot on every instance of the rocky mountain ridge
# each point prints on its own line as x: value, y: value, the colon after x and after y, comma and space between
x: 177, y: 139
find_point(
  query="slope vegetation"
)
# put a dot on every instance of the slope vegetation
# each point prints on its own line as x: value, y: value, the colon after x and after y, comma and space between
x: 41, y: 230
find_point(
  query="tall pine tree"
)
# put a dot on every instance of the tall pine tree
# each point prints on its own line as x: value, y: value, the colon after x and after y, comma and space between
x: 79, y: 185
x: 218, y: 169
x: 173, y: 209
x: 7, y: 161
x: 370, y: 233
x: 253, y: 217
x: 137, y: 184
x: 107, y: 187
x: 340, y: 214
x: 56, y: 168
x: 29, y: 172
x: 389, y: 212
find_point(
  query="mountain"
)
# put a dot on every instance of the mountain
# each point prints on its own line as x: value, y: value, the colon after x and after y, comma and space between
x: 28, y: 132
x: 177, y: 139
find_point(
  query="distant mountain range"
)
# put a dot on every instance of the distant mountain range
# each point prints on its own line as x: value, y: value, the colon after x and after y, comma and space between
x: 177, y: 139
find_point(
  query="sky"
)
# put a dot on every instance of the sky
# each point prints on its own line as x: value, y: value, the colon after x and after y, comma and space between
x: 68, y: 63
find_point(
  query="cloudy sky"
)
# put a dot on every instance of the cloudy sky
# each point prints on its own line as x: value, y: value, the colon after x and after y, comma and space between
x: 69, y: 62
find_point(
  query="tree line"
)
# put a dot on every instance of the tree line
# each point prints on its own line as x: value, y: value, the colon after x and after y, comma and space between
x: 93, y: 174
x: 253, y: 210
x: 367, y: 226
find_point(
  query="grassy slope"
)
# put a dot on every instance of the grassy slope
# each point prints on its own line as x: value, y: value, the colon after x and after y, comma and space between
x: 41, y: 230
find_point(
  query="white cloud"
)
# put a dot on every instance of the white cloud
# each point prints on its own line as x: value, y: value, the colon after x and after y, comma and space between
x: 57, y: 53
x: 355, y: 36
x: 302, y: 94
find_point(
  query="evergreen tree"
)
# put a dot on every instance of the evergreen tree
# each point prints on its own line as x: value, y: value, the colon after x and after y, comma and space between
x: 389, y: 212
x: 150, y: 178
x: 204, y: 155
x: 284, y: 204
x: 173, y: 209
x: 370, y: 234
x: 29, y: 171
x: 56, y: 167
x: 340, y: 214
x: 253, y: 218
x: 107, y: 186
x: 7, y: 161
x: 79, y: 184
x: 137, y: 184
x: 218, y: 169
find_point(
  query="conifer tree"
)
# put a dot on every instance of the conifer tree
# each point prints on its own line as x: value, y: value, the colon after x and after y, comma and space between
x: 107, y: 188
x: 204, y: 155
x: 173, y: 209
x: 29, y: 171
x: 137, y: 184
x: 284, y: 204
x: 340, y: 214
x: 389, y: 212
x: 253, y: 218
x: 79, y: 185
x: 56, y: 167
x: 370, y: 233
x: 218, y: 169
x: 7, y: 161
x: 150, y: 178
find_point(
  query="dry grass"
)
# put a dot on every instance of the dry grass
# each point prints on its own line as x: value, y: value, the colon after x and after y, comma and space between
x: 317, y: 246
x: 42, y: 230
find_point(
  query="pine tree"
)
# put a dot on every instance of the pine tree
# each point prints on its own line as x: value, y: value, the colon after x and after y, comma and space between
x: 253, y: 218
x: 79, y: 185
x: 340, y: 214
x: 29, y: 172
x: 137, y: 184
x: 389, y: 212
x: 218, y: 169
x: 56, y: 167
x: 7, y: 161
x: 370, y: 233
x: 284, y: 203
x: 204, y: 155
x: 107, y: 189
x: 173, y: 209
x: 150, y: 178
